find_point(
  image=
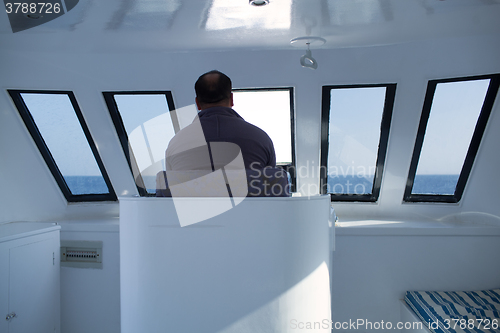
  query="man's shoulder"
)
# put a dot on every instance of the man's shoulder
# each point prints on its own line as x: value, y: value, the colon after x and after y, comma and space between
x: 187, y: 138
x: 254, y: 128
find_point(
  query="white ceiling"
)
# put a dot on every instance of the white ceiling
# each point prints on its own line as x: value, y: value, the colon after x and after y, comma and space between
x: 173, y: 25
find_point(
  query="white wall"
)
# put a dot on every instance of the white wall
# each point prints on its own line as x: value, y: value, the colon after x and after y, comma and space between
x: 374, y: 267
x: 259, y: 267
x: 90, y: 298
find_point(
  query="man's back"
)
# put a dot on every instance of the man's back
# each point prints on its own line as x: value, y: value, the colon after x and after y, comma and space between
x: 220, y: 147
x: 220, y: 124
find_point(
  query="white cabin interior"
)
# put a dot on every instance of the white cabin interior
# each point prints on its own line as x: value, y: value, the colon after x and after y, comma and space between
x: 382, y: 248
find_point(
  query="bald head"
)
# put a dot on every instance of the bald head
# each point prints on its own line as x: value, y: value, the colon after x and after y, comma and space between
x: 213, y: 89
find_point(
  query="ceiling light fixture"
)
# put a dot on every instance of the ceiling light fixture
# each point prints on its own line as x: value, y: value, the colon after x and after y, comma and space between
x: 307, y: 60
x: 258, y: 2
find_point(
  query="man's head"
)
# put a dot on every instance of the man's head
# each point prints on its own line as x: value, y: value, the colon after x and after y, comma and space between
x: 213, y: 89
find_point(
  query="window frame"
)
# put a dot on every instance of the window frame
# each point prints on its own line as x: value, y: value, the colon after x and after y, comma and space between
x: 122, y: 132
x: 290, y: 167
x: 385, y: 126
x: 479, y: 129
x: 32, y: 128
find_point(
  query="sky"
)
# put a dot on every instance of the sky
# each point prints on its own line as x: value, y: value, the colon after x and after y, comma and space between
x: 355, y: 118
x: 59, y: 126
x: 454, y: 113
x: 354, y: 126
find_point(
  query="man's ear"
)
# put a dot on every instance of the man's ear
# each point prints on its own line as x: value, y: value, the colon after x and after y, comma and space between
x: 231, y: 100
x: 197, y: 103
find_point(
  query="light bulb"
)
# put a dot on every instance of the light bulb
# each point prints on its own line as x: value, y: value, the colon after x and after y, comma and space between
x: 308, y: 61
x: 258, y: 2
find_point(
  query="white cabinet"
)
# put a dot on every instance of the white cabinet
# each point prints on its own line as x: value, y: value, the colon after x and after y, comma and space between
x: 29, y: 277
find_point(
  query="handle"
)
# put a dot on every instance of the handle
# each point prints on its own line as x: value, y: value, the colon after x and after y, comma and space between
x: 10, y: 316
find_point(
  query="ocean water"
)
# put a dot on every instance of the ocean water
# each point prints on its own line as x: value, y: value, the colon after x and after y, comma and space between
x: 96, y: 185
x: 435, y: 184
x: 423, y: 184
x: 86, y: 184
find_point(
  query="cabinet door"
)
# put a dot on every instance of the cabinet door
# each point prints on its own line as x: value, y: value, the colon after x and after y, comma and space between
x: 33, y: 283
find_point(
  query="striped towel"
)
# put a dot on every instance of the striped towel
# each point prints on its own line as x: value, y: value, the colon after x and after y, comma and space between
x: 454, y: 311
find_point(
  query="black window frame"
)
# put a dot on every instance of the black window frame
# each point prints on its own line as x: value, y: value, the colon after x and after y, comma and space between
x: 475, y: 142
x: 122, y: 132
x: 290, y: 167
x: 32, y: 128
x: 385, y: 126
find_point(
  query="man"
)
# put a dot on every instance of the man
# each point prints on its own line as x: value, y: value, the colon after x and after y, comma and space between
x: 219, y: 123
x: 220, y: 149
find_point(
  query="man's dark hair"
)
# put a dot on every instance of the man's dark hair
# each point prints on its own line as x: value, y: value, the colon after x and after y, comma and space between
x: 213, y: 88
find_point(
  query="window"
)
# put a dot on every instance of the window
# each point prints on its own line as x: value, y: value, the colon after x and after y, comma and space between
x: 271, y: 109
x: 145, y: 126
x: 453, y: 121
x: 57, y: 126
x: 354, y: 133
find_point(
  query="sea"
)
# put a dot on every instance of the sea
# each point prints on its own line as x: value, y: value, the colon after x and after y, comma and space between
x: 86, y: 185
x: 423, y: 184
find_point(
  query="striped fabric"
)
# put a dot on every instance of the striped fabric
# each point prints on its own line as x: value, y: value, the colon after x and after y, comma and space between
x: 448, y: 311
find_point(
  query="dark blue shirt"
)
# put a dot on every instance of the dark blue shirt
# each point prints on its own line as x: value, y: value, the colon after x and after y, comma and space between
x: 219, y: 138
x: 222, y: 124
x: 226, y: 133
